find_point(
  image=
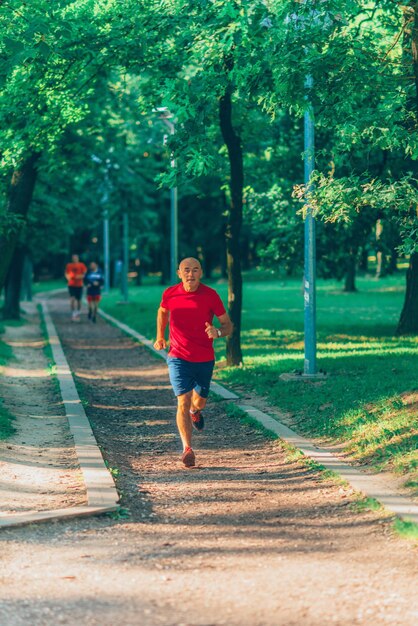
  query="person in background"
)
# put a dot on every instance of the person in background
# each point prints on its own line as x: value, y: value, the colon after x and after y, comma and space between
x: 94, y: 281
x: 74, y: 274
x: 189, y: 307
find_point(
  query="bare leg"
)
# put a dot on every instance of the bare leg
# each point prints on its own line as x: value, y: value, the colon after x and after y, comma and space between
x: 198, y: 403
x: 73, y: 305
x: 184, y: 422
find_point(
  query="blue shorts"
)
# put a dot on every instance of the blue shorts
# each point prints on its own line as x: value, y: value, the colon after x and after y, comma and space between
x: 186, y: 376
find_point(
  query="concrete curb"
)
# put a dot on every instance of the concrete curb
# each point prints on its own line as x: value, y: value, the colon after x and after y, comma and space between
x: 102, y: 496
x: 372, y: 486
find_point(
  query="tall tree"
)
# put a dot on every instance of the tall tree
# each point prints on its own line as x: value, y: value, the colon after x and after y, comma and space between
x: 408, y: 321
x: 209, y: 68
x: 19, y: 197
x: 52, y: 55
x: 233, y: 230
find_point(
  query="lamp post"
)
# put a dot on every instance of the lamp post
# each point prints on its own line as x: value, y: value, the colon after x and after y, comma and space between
x: 125, y: 285
x: 106, y: 264
x: 166, y: 117
x: 104, y: 200
x: 309, y: 278
x: 298, y: 20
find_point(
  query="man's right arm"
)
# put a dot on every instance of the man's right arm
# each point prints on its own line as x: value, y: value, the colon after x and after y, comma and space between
x: 162, y: 321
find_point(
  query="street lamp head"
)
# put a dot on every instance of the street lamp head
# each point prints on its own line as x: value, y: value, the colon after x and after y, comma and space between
x: 167, y: 117
x: 164, y: 112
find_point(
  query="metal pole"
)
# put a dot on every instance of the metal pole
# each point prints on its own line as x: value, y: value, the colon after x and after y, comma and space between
x: 173, y: 221
x: 165, y: 116
x: 106, y: 250
x: 309, y: 287
x: 174, y: 235
x: 125, y: 257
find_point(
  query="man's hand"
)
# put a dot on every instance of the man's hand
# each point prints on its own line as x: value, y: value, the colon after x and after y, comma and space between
x: 211, y: 331
x: 160, y: 344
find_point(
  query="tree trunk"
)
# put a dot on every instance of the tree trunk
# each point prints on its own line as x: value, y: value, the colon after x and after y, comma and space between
x: 408, y: 322
x: 393, y: 261
x: 350, y: 275
x: 233, y: 228
x: 380, y: 258
x: 27, y: 277
x: 364, y: 260
x: 164, y: 260
x: 19, y: 197
x: 414, y: 47
x: 12, y: 291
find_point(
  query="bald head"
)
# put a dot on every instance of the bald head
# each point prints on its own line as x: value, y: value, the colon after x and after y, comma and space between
x: 188, y: 261
x: 190, y: 273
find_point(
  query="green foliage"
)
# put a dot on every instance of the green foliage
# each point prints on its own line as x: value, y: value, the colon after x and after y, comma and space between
x: 84, y: 78
x: 277, y: 228
x: 344, y: 199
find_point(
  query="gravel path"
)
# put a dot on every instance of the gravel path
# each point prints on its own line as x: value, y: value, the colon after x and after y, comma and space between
x: 244, y: 539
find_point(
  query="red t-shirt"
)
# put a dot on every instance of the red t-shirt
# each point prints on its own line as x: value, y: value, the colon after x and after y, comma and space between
x: 189, y: 312
x: 73, y: 270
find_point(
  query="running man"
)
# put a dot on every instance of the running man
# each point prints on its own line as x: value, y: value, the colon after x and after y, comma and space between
x: 189, y: 307
x: 94, y: 280
x: 74, y: 274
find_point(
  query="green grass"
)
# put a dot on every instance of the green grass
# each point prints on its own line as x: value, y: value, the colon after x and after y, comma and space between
x: 49, y: 285
x: 6, y: 422
x: 6, y: 353
x: 407, y: 530
x: 370, y: 399
x: 6, y: 418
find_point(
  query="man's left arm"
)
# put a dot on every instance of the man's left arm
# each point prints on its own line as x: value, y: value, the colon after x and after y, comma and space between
x: 224, y: 330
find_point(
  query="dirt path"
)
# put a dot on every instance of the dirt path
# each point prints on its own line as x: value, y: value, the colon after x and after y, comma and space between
x: 244, y: 539
x: 38, y: 466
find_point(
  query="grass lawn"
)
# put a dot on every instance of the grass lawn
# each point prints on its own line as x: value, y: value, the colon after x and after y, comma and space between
x: 6, y: 419
x: 49, y: 285
x: 369, y: 401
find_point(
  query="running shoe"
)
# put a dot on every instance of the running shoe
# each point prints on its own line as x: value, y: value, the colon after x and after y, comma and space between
x: 197, y: 420
x: 188, y: 457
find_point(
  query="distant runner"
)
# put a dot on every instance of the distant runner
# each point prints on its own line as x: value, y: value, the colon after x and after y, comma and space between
x: 190, y: 307
x: 74, y: 274
x: 94, y: 280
